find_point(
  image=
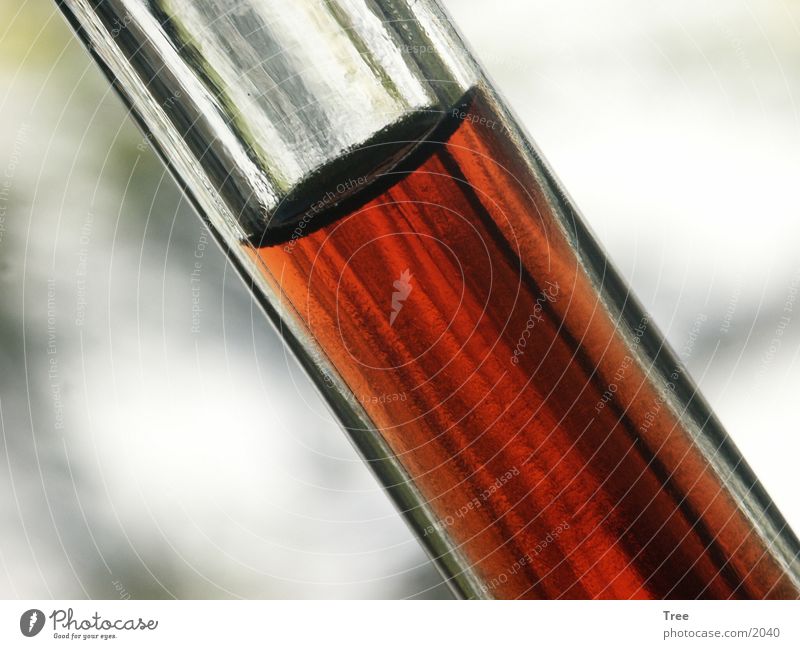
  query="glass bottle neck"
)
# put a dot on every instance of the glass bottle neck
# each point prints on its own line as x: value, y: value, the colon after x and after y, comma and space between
x: 259, y: 101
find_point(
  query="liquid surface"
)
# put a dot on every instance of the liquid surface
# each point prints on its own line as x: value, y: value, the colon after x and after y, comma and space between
x: 456, y: 312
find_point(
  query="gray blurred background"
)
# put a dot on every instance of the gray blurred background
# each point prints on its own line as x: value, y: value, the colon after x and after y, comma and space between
x: 144, y: 459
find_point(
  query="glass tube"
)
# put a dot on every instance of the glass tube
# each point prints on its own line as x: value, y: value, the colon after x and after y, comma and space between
x: 416, y: 253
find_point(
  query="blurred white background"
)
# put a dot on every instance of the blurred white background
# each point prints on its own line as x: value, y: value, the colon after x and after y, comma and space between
x: 144, y: 459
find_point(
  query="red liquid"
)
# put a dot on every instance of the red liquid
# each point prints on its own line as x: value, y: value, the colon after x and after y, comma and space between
x: 506, y: 391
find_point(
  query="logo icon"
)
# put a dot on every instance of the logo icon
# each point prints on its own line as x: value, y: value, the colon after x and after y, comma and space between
x: 402, y: 291
x: 31, y: 622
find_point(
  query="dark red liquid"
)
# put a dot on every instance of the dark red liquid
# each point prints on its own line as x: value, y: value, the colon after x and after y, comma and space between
x: 457, y: 313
